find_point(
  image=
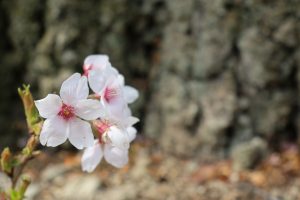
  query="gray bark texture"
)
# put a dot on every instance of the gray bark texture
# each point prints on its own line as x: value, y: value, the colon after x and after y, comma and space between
x: 218, y: 79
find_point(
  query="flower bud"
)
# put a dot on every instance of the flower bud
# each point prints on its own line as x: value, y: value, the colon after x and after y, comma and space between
x: 32, y: 116
x: 6, y: 165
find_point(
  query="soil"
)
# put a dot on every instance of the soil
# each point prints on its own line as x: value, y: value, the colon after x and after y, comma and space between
x: 153, y: 175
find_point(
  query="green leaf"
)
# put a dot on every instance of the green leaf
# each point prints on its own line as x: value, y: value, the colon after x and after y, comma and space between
x: 6, y: 161
x: 15, y: 195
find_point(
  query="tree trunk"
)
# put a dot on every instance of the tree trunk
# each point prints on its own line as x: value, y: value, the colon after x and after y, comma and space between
x: 227, y: 80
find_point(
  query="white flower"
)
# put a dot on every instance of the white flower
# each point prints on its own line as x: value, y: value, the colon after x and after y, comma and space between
x: 106, y: 80
x: 113, y: 147
x: 64, y: 114
x: 116, y: 121
x: 114, y: 95
x: 115, y: 135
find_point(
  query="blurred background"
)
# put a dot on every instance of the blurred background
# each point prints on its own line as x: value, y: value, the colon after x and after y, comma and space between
x: 219, y: 83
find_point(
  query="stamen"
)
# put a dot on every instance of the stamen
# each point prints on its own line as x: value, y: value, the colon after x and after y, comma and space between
x: 102, y: 128
x: 110, y: 93
x: 66, y: 112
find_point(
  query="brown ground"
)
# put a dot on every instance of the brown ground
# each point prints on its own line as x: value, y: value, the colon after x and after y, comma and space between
x: 155, y: 175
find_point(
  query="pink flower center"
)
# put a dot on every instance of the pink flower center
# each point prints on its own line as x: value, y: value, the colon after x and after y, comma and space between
x: 102, y: 127
x: 66, y: 112
x: 86, y: 69
x: 110, y: 94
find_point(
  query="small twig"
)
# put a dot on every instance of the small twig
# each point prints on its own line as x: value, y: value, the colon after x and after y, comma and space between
x: 13, y: 166
x: 23, y: 160
x: 27, y: 154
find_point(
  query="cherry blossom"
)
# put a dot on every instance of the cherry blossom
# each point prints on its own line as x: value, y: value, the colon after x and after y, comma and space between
x: 111, y: 87
x: 66, y: 114
x: 108, y: 84
x: 101, y: 74
x: 113, y: 145
x: 115, y: 135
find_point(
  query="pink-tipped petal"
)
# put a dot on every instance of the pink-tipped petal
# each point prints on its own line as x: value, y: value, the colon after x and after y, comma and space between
x: 97, y: 61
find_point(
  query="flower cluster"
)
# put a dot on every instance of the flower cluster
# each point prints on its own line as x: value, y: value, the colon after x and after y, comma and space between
x: 75, y: 115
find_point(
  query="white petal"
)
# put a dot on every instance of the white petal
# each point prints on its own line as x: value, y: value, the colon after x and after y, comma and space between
x: 89, y: 109
x: 54, y: 132
x: 118, y: 137
x: 82, y: 89
x: 130, y: 121
x: 131, y: 133
x: 115, y: 108
x: 49, y: 106
x: 68, y: 87
x: 122, y: 117
x: 74, y: 88
x: 131, y: 94
x: 121, y: 79
x: 97, y: 61
x: 97, y: 80
x: 80, y: 133
x: 115, y: 156
x: 91, y: 157
x: 126, y: 113
x: 115, y: 70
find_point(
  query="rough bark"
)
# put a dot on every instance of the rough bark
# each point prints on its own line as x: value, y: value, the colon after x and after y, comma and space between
x: 227, y: 84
